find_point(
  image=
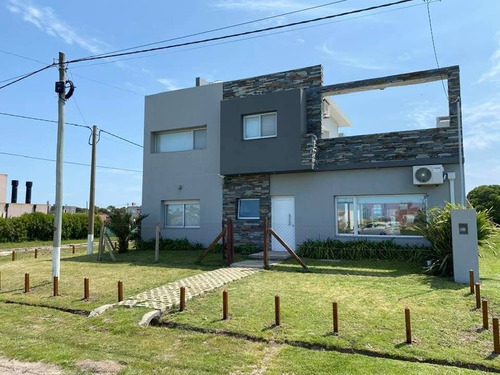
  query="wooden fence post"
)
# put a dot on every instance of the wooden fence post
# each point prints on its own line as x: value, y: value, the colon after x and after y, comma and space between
x: 225, y: 307
x: 471, y: 281
x: 182, y: 302
x: 335, y: 318
x: 408, y: 325
x: 26, y: 283
x: 485, y: 313
x: 72, y: 249
x: 496, y: 339
x: 56, y: 286
x: 120, y: 291
x: 36, y: 253
x: 86, y: 289
x: 157, y: 243
x: 277, y: 310
x: 230, y: 242
x: 13, y: 256
x: 478, y: 296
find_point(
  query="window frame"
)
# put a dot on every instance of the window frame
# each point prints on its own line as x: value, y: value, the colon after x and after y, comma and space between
x: 356, y: 215
x: 259, y: 115
x: 157, y: 135
x: 239, y: 209
x: 183, y: 203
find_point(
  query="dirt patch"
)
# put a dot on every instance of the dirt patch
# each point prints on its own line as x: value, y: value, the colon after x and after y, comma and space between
x: 13, y: 367
x: 101, y: 367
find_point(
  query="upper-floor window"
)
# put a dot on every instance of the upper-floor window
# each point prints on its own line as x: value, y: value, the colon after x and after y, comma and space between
x: 262, y: 125
x: 184, y: 140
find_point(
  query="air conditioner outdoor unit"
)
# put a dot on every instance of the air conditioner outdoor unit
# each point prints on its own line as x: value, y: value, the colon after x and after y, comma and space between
x: 428, y: 175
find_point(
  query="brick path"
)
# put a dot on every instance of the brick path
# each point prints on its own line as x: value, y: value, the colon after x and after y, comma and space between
x: 167, y: 296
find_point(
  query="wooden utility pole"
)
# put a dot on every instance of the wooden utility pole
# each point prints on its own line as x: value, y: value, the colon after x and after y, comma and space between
x: 56, y: 246
x: 90, y: 238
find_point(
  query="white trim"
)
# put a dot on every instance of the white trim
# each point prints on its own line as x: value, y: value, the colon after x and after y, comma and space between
x: 259, y: 116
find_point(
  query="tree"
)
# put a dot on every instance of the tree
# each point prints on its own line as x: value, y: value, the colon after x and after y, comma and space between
x: 124, y: 226
x: 486, y: 197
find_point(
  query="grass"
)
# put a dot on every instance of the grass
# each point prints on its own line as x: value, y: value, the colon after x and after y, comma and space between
x: 372, y: 297
x: 22, y: 245
x: 136, y: 269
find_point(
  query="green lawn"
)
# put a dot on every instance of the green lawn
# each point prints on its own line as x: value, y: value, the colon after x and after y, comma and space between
x: 371, y: 295
x: 28, y: 244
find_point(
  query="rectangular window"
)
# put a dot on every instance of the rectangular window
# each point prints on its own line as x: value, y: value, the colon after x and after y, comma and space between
x: 248, y: 209
x: 383, y: 215
x: 182, y: 214
x: 260, y: 126
x: 172, y: 141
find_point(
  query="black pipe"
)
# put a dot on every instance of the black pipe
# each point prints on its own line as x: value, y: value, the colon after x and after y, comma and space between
x: 29, y: 185
x: 13, y: 197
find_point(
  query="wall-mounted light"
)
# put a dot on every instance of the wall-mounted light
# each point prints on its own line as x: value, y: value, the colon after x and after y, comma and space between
x: 179, y: 187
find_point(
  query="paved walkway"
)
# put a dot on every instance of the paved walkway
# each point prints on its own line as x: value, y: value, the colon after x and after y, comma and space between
x: 167, y: 296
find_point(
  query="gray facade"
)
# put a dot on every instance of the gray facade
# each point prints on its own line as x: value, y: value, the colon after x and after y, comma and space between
x: 296, y: 162
x: 183, y: 175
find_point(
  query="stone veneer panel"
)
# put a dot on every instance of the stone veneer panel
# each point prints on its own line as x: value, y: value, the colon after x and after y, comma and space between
x: 247, y: 232
x: 309, y: 78
x: 441, y: 143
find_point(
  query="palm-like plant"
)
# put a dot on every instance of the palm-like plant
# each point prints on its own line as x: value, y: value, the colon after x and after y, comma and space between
x: 124, y: 226
x: 435, y: 226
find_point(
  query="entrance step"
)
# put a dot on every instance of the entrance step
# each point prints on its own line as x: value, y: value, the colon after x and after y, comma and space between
x: 273, y: 255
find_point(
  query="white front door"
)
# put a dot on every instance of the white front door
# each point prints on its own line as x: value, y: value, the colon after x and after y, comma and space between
x: 283, y: 221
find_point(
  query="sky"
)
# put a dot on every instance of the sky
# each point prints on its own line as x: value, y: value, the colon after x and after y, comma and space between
x: 110, y: 93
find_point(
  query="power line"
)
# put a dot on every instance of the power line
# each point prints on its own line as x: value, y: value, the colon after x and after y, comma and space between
x: 23, y: 57
x: 123, y: 139
x: 224, y: 27
x: 254, y: 37
x: 68, y: 123
x: 434, y: 44
x: 69, y: 162
x: 107, y: 56
x: 24, y: 76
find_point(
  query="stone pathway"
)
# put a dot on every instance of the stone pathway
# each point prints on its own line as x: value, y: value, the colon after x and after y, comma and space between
x: 167, y: 296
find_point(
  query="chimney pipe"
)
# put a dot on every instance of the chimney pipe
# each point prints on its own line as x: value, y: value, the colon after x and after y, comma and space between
x: 29, y: 185
x: 13, y: 198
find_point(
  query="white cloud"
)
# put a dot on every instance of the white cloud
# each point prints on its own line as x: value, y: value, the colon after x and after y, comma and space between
x: 45, y: 19
x: 168, y: 83
x: 481, y: 124
x: 423, y: 115
x: 494, y: 72
x: 353, y: 61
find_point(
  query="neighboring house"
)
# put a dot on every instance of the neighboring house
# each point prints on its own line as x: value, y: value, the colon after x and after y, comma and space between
x: 273, y: 146
x: 134, y: 210
x: 15, y: 209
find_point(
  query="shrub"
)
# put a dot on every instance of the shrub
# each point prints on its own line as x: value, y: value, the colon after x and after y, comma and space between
x: 360, y: 250
x: 125, y: 227
x: 486, y: 198
x: 435, y: 226
x: 37, y: 226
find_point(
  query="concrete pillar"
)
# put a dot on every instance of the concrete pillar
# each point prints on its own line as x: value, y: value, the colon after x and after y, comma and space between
x: 464, y: 239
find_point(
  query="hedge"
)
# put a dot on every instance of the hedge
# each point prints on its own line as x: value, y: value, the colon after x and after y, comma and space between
x: 38, y: 227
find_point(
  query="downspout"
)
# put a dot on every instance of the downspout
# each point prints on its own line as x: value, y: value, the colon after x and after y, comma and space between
x: 451, y: 176
x: 460, y: 154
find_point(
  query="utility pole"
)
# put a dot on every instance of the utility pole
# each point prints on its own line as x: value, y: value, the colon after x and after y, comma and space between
x: 90, y: 238
x: 56, y: 246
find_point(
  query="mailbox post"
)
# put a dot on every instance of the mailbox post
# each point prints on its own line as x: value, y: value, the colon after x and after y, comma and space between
x: 464, y: 239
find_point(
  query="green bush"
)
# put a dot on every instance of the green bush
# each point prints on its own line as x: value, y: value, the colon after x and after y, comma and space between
x: 435, y: 226
x: 37, y: 226
x: 486, y: 198
x: 360, y: 250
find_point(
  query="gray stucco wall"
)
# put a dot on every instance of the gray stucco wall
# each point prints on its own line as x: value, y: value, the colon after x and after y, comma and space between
x: 197, y: 171
x: 276, y: 154
x: 314, y: 194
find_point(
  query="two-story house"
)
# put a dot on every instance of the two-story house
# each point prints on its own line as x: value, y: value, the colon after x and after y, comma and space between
x: 271, y: 146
